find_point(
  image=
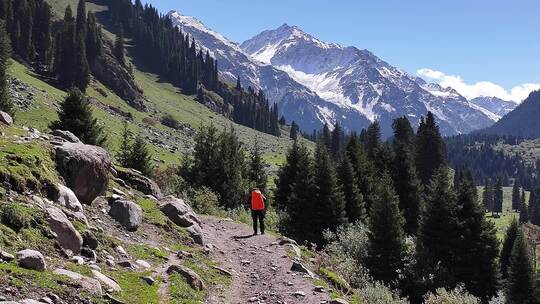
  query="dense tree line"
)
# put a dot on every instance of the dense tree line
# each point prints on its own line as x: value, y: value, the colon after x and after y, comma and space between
x: 477, y: 153
x: 62, y: 48
x: 176, y: 57
x: 6, y: 104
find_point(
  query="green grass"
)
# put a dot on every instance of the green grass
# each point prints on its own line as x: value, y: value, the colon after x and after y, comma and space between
x: 134, y: 289
x: 144, y: 252
x: 505, y: 218
x: 151, y: 212
x: 46, y: 281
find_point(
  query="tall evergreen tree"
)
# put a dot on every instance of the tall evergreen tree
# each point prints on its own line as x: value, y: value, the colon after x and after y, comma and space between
x: 516, y: 196
x: 257, y: 174
x: 232, y: 190
x: 119, y: 47
x: 520, y: 285
x: 363, y: 169
x: 523, y: 210
x: 93, y: 38
x: 124, y: 153
x: 386, y: 249
x: 294, y: 131
x: 488, y: 196
x: 337, y: 140
x: 534, y: 208
x: 354, y: 202
x: 438, y: 234
x: 404, y: 175
x: 430, y: 149
x: 80, y: 26
x: 66, y: 54
x: 6, y: 105
x: 75, y: 115
x: 477, y: 248
x: 508, y: 245
x: 330, y: 206
x: 286, y: 175
x: 140, y: 156
x: 82, y: 76
x: 498, y: 197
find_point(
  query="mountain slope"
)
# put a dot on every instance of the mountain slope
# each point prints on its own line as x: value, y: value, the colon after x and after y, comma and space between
x: 360, y: 81
x: 522, y: 121
x: 495, y: 105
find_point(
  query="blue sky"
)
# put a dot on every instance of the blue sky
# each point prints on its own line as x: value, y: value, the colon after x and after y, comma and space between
x: 475, y: 45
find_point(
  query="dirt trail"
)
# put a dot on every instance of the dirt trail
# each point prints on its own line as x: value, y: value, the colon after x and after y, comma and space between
x: 260, y: 267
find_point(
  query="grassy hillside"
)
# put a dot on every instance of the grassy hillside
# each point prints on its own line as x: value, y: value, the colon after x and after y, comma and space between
x: 507, y: 215
x: 529, y: 150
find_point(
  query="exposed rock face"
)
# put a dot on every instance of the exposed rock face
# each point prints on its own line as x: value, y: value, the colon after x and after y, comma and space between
x: 5, y: 118
x: 191, y: 276
x: 90, y: 240
x: 128, y: 214
x: 90, y: 285
x: 111, y: 73
x: 31, y: 259
x: 140, y: 182
x: 66, y: 198
x: 85, y: 169
x: 66, y: 135
x: 66, y: 235
x: 182, y: 215
x: 338, y: 301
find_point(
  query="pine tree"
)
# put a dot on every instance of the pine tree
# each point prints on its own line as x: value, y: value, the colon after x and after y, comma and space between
x: 93, y: 38
x: 257, y: 174
x: 516, y: 196
x: 478, y: 247
x: 231, y: 189
x: 508, y: 244
x: 534, y: 208
x: 65, y: 57
x: 363, y: 169
x: 287, y: 175
x: 6, y: 104
x: 373, y: 146
x: 438, y: 233
x: 498, y: 197
x: 520, y: 285
x: 430, y: 149
x: 487, y: 196
x: 80, y: 26
x: 82, y: 76
x: 337, y: 140
x: 140, y: 156
x: 354, y: 202
x: 404, y: 174
x: 294, y: 131
x: 386, y: 249
x: 523, y: 210
x: 75, y: 115
x: 119, y: 48
x: 124, y: 154
x: 238, y: 83
x: 330, y: 206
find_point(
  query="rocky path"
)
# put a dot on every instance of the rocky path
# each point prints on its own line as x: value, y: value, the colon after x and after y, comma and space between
x: 261, y: 269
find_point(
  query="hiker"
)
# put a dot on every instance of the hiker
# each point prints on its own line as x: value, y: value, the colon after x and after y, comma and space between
x: 257, y: 200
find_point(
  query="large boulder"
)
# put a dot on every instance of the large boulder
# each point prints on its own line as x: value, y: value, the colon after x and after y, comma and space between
x: 105, y: 280
x: 191, y: 276
x: 92, y: 286
x: 127, y: 213
x: 31, y: 259
x: 178, y: 211
x: 5, y: 118
x: 85, y: 169
x: 68, y: 199
x: 139, y: 182
x: 195, y: 231
x: 66, y: 235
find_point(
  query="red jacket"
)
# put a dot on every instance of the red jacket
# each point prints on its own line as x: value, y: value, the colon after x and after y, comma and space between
x: 257, y: 200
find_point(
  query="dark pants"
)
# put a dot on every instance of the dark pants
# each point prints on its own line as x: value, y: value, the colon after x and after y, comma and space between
x: 258, y: 215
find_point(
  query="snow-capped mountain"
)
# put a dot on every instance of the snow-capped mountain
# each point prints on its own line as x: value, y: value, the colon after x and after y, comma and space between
x: 315, y: 82
x: 495, y: 105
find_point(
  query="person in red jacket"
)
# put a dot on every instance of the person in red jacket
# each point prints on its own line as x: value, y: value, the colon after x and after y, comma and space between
x: 257, y: 200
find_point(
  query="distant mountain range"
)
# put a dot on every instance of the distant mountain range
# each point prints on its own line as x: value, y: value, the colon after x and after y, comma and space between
x: 523, y: 121
x: 315, y: 82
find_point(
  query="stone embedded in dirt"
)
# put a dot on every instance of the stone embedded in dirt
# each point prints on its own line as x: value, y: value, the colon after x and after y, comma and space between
x: 31, y: 259
x: 318, y: 289
x: 299, y: 294
x: 5, y: 118
x: 149, y: 280
x: 105, y: 280
x: 90, y: 240
x: 89, y: 254
x: 118, y: 192
x: 196, y: 234
x: 298, y: 267
x: 191, y: 276
x: 120, y: 250
x: 113, y: 300
x: 66, y: 235
x: 77, y: 260
x: 127, y: 213
x: 126, y: 264
x: 223, y: 271
x: 143, y: 264
x: 67, y: 198
x: 295, y: 249
x: 285, y: 240
x: 30, y: 301
x: 90, y: 285
x: 6, y: 257
x: 46, y: 300
x: 253, y: 299
x: 140, y: 182
x: 66, y: 135
x: 95, y: 267
x: 338, y: 301
x: 53, y: 297
x: 85, y: 169
x: 184, y: 254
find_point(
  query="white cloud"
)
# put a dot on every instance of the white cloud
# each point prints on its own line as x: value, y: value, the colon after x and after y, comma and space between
x: 482, y: 88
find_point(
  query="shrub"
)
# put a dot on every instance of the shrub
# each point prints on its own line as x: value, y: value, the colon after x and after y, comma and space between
x: 149, y: 121
x: 169, y: 121
x: 456, y: 296
x: 204, y: 201
x: 377, y: 293
x: 15, y: 216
